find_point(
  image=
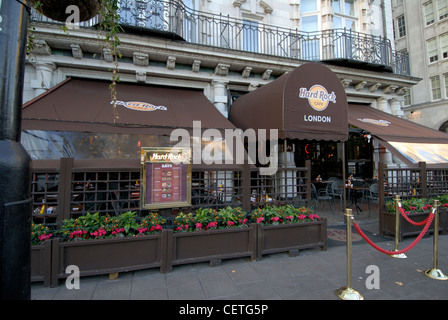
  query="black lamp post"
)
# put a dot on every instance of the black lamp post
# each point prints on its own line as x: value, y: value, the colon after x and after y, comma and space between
x: 15, y: 163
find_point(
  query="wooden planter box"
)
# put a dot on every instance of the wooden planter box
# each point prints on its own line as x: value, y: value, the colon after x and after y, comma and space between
x: 41, y: 263
x: 96, y: 257
x: 163, y: 250
x: 387, y: 225
x: 212, y: 245
x: 291, y: 237
x: 105, y: 256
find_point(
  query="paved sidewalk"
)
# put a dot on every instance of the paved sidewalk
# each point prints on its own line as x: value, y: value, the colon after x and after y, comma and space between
x: 312, y: 275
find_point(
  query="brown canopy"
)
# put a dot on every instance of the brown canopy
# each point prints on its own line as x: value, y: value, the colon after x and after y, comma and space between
x: 409, y: 141
x: 391, y: 128
x: 85, y: 105
x: 308, y: 103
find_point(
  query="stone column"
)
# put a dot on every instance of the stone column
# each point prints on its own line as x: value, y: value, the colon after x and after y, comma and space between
x: 220, y: 99
x: 395, y: 106
x: 44, y: 77
x: 383, y: 105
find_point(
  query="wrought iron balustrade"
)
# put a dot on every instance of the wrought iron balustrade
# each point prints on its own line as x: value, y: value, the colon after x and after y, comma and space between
x: 217, y: 30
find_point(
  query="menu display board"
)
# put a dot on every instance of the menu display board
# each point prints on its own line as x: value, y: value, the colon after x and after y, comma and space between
x: 166, y: 174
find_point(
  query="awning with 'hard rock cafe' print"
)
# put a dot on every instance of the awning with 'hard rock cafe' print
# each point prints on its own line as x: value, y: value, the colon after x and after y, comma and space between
x: 308, y: 103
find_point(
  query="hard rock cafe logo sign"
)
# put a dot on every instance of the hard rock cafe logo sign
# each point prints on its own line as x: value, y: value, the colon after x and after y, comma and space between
x: 318, y: 97
x: 382, y: 123
x: 139, y: 106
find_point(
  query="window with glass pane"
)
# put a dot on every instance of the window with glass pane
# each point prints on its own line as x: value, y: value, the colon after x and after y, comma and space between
x: 346, y: 7
x: 429, y: 13
x: 342, y: 9
x: 443, y: 8
x: 444, y: 45
x: 435, y: 87
x: 310, y: 48
x: 350, y: 24
x: 431, y: 47
x: 337, y: 6
x: 188, y: 23
x: 337, y: 22
x: 446, y: 84
x: 189, y: 3
x: 407, y: 98
x: 250, y: 36
x: 401, y: 26
x: 349, y: 7
x: 156, y: 18
x: 308, y: 6
x: 444, y: 127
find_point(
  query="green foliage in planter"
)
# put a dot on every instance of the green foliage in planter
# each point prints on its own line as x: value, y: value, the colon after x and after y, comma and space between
x: 209, y: 219
x: 96, y: 226
x: 39, y: 233
x: 415, y: 205
x: 151, y: 223
x: 282, y: 214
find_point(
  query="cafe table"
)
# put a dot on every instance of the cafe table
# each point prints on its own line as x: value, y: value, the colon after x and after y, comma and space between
x: 353, y: 192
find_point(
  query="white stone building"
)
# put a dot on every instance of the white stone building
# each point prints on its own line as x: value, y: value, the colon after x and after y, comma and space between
x: 421, y: 29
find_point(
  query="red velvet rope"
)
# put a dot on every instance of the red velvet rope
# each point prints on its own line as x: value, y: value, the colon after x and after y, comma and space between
x: 420, y: 236
x: 409, y: 220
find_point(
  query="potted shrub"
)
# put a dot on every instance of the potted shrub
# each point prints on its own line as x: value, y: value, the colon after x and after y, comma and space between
x: 210, y: 235
x: 98, y: 245
x: 210, y: 219
x: 103, y: 244
x: 40, y: 253
x: 288, y: 229
x: 417, y: 210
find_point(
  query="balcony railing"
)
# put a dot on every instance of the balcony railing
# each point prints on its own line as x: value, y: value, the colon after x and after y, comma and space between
x: 337, y: 45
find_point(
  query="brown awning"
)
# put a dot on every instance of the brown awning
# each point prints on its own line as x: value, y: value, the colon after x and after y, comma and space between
x: 409, y: 141
x: 85, y: 105
x: 391, y: 128
x: 308, y: 103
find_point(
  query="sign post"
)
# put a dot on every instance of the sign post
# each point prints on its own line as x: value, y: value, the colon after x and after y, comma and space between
x: 15, y: 163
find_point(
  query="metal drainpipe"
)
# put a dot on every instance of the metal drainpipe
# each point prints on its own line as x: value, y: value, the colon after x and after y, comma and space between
x: 383, y: 13
x: 15, y: 163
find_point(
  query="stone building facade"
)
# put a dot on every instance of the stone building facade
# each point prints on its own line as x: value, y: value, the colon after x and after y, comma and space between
x: 421, y: 29
x: 229, y: 48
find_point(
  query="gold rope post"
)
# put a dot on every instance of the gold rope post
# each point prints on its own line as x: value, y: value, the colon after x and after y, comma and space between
x: 348, y: 293
x: 434, y: 272
x: 397, y: 229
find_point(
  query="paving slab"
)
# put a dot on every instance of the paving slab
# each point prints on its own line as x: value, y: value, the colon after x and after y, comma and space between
x: 312, y: 275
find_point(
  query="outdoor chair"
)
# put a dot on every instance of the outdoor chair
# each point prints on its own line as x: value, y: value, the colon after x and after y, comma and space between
x: 322, y: 195
x: 361, y: 193
x: 337, y: 190
x: 373, y: 195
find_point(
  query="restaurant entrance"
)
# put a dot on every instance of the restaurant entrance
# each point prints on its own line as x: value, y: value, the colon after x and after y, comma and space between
x: 326, y: 156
